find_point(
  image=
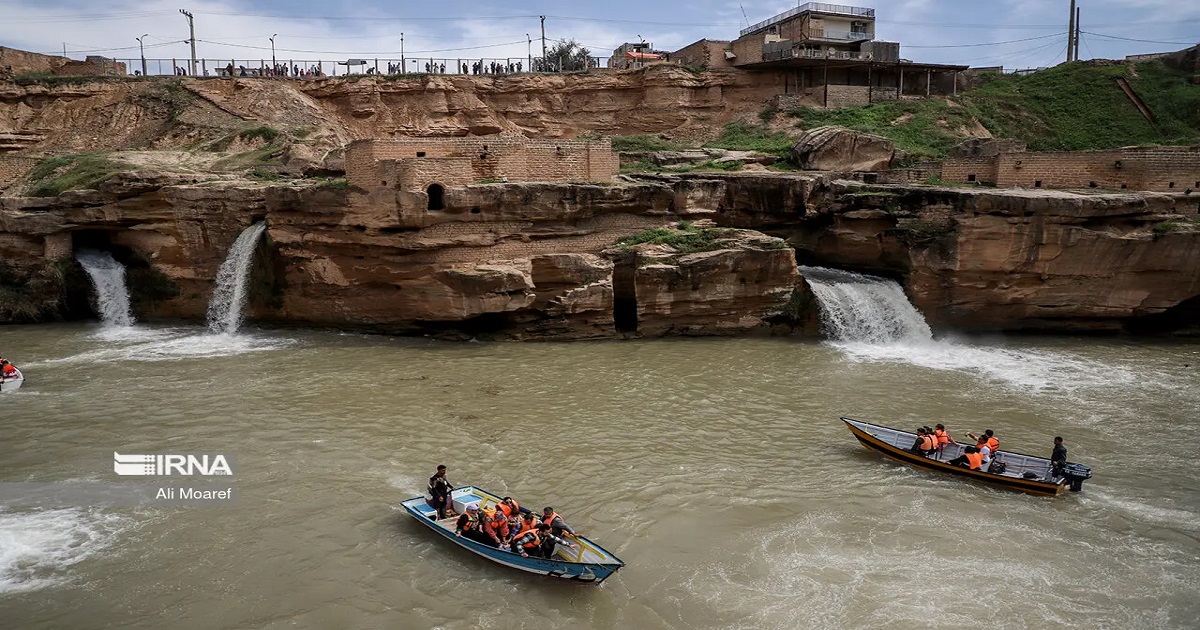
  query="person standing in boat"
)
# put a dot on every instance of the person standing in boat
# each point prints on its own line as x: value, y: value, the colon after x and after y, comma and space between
x: 1058, y: 458
x: 440, y: 489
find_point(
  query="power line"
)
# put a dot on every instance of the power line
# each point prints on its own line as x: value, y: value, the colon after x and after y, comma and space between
x: 1146, y: 41
x: 1011, y: 41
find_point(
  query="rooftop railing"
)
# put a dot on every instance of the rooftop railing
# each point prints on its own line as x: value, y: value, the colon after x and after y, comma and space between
x: 817, y: 7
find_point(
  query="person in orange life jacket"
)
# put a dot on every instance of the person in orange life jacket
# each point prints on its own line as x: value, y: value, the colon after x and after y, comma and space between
x: 988, y: 439
x: 512, y: 511
x: 470, y: 525
x: 527, y: 522
x: 495, y: 527
x: 924, y: 444
x: 971, y: 458
x: 557, y: 525
x: 7, y: 370
x: 942, y: 438
x: 538, y: 542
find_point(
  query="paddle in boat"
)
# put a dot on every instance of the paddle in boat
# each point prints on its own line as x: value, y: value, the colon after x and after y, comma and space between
x: 11, y: 381
x: 587, y: 562
x: 1026, y: 473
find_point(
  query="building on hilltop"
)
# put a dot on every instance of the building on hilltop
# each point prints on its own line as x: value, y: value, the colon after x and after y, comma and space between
x: 431, y: 165
x: 830, y: 55
x: 630, y: 56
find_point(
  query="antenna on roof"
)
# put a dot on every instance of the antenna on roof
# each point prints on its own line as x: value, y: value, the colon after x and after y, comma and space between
x: 744, y: 15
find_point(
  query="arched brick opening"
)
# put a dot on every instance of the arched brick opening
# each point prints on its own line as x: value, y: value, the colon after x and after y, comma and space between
x: 437, y: 196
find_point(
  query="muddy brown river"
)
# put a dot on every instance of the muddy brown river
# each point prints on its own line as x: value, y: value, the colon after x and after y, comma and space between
x: 717, y: 469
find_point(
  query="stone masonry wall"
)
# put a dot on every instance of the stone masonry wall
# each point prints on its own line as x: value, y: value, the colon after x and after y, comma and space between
x: 1162, y: 169
x: 509, y: 157
x: 961, y: 170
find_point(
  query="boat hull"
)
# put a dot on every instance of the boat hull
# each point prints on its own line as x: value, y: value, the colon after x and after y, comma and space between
x: 587, y: 572
x: 862, y: 432
x: 12, y: 384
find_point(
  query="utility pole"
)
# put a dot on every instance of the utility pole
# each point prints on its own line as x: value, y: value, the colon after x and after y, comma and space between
x: 192, y: 37
x: 529, y: 51
x: 1078, y: 31
x: 143, y: 51
x: 403, y: 66
x: 543, y: 40
x: 272, y: 38
x: 1071, y: 34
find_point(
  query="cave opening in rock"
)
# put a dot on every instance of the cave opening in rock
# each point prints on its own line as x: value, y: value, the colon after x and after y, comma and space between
x: 625, y: 306
x: 1183, y: 316
x: 437, y: 196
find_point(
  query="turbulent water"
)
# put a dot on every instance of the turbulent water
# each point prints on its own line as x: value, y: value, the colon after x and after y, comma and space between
x: 108, y: 279
x: 717, y: 469
x: 229, y: 297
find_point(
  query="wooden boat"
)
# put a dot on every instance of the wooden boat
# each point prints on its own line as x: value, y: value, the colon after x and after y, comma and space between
x: 12, y: 384
x: 588, y: 563
x: 1026, y: 473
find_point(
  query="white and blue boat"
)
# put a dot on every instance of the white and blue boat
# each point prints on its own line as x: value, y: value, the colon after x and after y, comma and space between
x: 12, y: 383
x: 588, y: 562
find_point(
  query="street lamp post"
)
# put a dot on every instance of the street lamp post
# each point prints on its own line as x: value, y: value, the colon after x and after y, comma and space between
x: 272, y: 38
x: 142, y: 49
x: 529, y: 51
x: 403, y: 68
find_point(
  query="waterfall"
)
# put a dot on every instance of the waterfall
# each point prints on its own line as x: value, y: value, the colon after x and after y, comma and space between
x: 865, y: 309
x: 108, y: 277
x: 229, y: 298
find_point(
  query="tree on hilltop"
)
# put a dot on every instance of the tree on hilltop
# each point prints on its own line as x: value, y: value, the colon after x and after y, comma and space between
x: 567, y: 55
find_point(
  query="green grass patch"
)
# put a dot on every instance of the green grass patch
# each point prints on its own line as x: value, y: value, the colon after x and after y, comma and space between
x: 1174, y: 225
x: 53, y: 176
x: 927, y: 128
x: 1072, y: 107
x: 704, y: 167
x: 643, y: 144
x: 1077, y: 107
x: 335, y: 183
x: 684, y: 238
x: 750, y: 137
x: 267, y: 155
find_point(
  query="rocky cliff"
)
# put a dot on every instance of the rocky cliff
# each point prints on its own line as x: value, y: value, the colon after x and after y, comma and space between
x: 586, y: 261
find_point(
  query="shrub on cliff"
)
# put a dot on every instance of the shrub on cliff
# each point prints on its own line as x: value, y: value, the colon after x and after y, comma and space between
x: 53, y: 176
x: 685, y: 238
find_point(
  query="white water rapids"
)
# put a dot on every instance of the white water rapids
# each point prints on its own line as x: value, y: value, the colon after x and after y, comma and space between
x: 871, y: 320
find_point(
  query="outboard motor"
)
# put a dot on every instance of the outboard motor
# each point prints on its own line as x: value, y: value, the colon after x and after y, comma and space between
x: 1075, y: 474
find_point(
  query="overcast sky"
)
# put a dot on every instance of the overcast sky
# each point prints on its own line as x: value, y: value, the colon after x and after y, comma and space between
x: 967, y: 32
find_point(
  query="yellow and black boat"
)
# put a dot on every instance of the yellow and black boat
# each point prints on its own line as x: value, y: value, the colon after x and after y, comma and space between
x: 1015, y: 471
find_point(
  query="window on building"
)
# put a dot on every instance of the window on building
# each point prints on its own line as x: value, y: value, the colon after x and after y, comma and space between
x: 1037, y: 184
x: 420, y: 154
x: 971, y: 177
x: 437, y: 196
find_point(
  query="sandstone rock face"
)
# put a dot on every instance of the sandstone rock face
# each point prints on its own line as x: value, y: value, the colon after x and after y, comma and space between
x: 1018, y: 260
x: 536, y: 261
x: 841, y: 150
x: 733, y: 290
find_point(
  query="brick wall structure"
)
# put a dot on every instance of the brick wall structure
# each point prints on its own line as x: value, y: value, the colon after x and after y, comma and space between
x: 1162, y: 169
x: 706, y: 53
x: 415, y: 163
